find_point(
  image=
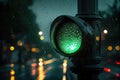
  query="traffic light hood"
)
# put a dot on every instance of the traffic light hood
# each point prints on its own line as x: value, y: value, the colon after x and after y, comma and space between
x: 70, y: 35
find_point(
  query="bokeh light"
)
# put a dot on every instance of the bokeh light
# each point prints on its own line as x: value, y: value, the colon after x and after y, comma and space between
x: 117, y: 48
x: 12, y: 48
x: 110, y: 48
x: 105, y: 31
x: 20, y: 43
x: 40, y: 33
x: 42, y: 38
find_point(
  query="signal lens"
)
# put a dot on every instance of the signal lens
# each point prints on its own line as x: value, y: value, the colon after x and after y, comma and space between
x: 69, y: 38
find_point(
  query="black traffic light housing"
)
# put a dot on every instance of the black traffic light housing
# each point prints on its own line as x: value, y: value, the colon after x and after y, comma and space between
x: 79, y: 38
x: 71, y: 35
x: 76, y: 38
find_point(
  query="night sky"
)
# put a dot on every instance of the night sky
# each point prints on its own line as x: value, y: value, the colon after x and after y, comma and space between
x: 47, y: 10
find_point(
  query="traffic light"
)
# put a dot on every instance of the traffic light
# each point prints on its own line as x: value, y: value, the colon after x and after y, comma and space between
x: 78, y: 37
x: 71, y: 35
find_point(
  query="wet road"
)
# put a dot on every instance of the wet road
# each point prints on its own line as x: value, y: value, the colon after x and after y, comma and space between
x: 47, y: 70
x: 50, y: 70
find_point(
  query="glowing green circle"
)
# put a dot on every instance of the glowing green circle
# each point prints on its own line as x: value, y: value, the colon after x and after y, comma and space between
x: 69, y: 38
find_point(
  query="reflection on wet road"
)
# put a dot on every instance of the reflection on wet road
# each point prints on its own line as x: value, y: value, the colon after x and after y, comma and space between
x: 35, y: 71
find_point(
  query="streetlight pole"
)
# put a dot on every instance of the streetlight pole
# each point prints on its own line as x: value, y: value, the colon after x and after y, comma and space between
x: 86, y: 67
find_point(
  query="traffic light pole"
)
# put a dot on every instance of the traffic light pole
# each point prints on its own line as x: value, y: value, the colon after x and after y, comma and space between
x: 87, y: 67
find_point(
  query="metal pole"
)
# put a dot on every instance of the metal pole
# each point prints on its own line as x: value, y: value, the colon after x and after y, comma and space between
x: 88, y: 11
x: 87, y: 7
x: 87, y: 67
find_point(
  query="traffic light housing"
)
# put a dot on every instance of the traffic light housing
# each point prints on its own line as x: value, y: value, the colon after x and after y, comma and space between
x: 79, y: 38
x: 71, y: 35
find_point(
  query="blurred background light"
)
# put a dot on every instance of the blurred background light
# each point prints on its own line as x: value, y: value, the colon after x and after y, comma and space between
x: 107, y: 70
x: 40, y: 33
x: 117, y: 48
x: 20, y: 43
x: 110, y: 48
x: 41, y: 37
x: 12, y: 48
x: 105, y: 31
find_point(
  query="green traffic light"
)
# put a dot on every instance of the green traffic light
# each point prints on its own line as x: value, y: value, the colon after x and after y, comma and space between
x: 69, y: 38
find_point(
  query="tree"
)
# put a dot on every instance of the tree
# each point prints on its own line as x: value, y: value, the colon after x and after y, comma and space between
x: 17, y: 22
x: 111, y: 19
